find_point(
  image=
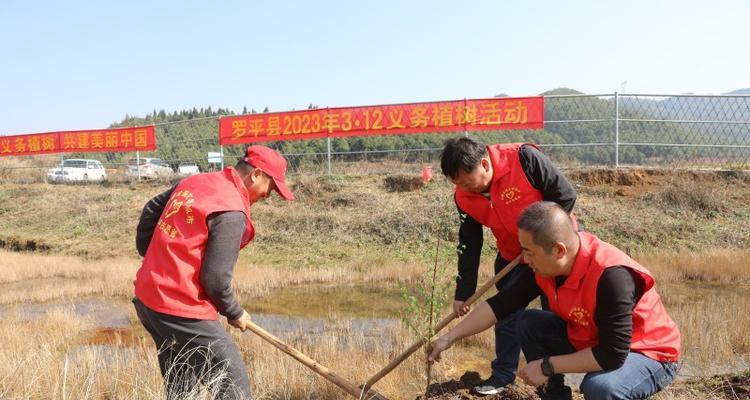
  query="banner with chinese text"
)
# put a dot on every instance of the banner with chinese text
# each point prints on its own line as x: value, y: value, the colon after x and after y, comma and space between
x: 140, y: 138
x: 395, y: 119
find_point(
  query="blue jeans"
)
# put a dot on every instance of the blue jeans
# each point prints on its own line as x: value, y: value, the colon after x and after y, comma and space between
x: 507, y: 348
x: 542, y: 334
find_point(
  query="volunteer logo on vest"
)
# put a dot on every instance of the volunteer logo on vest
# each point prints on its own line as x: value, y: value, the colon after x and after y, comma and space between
x: 179, y: 199
x: 510, y: 194
x: 580, y: 316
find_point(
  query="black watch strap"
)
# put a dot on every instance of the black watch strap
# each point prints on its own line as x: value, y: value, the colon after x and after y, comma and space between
x: 547, y: 368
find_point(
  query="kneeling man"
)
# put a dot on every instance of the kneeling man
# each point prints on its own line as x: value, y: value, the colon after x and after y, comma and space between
x: 606, y: 319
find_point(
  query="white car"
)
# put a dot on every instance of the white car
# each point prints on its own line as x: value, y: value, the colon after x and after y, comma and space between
x: 149, y: 167
x: 76, y: 169
x: 186, y: 169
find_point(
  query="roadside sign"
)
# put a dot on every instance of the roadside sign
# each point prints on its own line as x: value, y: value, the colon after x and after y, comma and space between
x: 214, y: 158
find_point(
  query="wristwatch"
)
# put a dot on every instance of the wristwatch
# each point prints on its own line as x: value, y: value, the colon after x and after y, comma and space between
x: 547, y: 368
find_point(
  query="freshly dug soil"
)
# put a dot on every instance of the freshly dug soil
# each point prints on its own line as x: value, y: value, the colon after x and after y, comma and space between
x: 460, y: 390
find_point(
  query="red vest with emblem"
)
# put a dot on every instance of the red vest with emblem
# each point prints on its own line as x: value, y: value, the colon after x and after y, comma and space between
x: 510, y: 194
x: 169, y: 279
x: 654, y: 335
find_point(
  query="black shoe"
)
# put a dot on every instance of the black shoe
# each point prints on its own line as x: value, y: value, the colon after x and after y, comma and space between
x: 492, y: 385
x: 554, y: 393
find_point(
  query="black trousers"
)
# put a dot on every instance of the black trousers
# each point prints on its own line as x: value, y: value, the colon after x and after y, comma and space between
x: 193, y: 352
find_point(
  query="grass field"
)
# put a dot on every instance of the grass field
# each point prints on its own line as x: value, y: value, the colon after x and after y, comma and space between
x: 336, y: 256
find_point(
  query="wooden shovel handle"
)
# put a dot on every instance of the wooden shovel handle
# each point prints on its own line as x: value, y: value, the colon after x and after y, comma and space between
x: 347, y: 386
x: 442, y: 324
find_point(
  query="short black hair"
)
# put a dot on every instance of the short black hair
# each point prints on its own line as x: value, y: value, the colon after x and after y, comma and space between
x: 461, y: 154
x: 548, y: 224
x: 242, y: 164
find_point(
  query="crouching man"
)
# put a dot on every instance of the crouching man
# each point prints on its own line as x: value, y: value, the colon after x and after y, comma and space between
x: 606, y: 319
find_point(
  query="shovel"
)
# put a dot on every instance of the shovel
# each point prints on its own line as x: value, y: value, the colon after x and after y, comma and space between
x: 347, y: 386
x: 442, y: 324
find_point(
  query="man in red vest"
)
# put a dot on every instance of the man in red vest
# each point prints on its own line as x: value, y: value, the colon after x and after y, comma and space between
x: 190, y: 237
x: 493, y: 185
x: 606, y: 319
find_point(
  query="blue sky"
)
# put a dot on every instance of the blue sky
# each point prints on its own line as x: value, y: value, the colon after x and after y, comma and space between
x: 83, y: 65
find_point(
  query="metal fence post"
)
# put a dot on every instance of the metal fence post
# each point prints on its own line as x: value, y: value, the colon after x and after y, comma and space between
x: 62, y: 167
x: 221, y: 150
x: 138, y: 163
x: 328, y: 153
x: 617, y: 131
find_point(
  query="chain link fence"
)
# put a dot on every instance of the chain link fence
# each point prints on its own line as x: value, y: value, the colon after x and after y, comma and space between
x: 615, y: 130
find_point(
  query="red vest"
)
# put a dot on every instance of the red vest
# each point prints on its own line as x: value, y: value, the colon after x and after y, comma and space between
x: 510, y: 194
x: 655, y: 335
x: 169, y: 279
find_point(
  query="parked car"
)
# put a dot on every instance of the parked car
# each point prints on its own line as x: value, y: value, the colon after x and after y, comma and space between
x: 77, y: 169
x: 149, y: 167
x: 186, y: 169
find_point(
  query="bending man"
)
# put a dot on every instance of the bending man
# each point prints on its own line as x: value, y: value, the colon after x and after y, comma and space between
x: 190, y: 237
x: 493, y: 185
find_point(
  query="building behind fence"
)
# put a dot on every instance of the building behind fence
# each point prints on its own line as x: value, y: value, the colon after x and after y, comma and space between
x: 615, y: 130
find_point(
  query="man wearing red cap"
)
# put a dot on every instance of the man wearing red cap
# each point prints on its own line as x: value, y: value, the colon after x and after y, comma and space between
x: 190, y: 237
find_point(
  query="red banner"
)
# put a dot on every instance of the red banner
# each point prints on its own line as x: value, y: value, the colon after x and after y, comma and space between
x: 446, y: 116
x: 140, y: 138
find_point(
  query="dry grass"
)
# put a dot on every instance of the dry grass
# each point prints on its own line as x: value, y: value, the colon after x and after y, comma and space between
x: 90, y: 221
x: 714, y: 265
x: 714, y: 332
x: 50, y: 360
x: 26, y: 169
x: 706, y: 294
x: 60, y: 367
x: 39, y: 278
x: 712, y: 319
x: 29, y: 278
x: 348, y: 232
x: 346, y: 218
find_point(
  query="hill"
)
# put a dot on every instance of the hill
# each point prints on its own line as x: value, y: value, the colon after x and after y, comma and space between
x: 340, y: 217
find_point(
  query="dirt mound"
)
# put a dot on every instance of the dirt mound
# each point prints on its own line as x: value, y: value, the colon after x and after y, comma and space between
x: 641, y: 176
x: 637, y: 182
x: 15, y: 243
x: 311, y: 186
x: 461, y: 390
x: 403, y: 183
x: 621, y: 177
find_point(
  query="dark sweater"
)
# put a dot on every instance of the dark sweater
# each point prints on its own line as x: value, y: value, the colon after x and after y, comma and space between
x: 225, y: 231
x: 618, y: 291
x: 543, y: 176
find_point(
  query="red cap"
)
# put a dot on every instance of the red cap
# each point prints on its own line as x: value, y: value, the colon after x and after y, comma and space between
x: 273, y: 164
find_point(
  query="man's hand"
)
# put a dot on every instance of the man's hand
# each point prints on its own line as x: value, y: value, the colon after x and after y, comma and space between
x: 438, y: 346
x: 532, y: 374
x: 460, y: 308
x: 242, y: 322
